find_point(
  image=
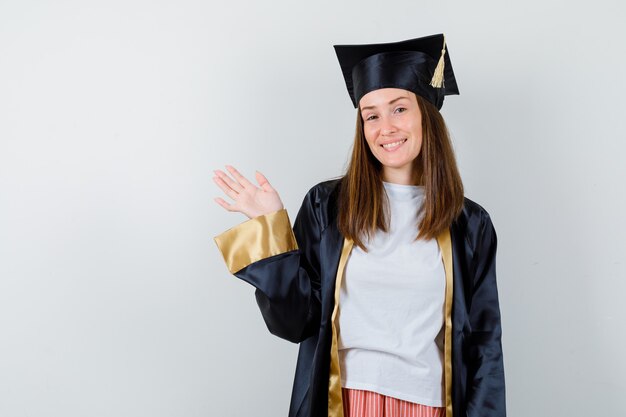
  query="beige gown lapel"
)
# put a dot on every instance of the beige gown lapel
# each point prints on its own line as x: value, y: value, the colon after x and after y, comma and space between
x: 335, y: 403
x: 445, y: 245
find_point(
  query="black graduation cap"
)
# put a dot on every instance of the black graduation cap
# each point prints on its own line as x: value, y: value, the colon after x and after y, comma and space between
x: 420, y: 65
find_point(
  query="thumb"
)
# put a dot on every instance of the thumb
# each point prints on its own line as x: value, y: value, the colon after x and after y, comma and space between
x: 263, y: 182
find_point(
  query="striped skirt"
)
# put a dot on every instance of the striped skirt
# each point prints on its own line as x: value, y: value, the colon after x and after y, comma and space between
x: 360, y: 403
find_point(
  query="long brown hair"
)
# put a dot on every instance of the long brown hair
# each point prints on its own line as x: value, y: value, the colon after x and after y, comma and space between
x: 362, y: 202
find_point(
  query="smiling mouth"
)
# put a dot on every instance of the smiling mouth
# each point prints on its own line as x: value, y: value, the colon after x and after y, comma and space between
x: 394, y: 144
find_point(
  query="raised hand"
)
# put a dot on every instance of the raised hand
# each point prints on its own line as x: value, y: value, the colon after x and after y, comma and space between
x: 248, y: 198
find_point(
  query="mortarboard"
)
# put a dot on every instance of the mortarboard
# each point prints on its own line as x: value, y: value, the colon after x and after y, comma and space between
x: 420, y: 65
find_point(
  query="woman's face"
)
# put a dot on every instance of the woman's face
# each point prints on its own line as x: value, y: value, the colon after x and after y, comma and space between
x: 392, y: 124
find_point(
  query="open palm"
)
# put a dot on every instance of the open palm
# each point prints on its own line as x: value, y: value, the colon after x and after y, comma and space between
x: 248, y: 198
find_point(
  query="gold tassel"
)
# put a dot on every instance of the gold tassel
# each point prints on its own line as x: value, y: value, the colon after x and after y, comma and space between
x: 437, y: 80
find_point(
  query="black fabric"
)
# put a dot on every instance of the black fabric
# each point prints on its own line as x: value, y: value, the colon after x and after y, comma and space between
x: 408, y: 64
x: 295, y: 293
x: 407, y: 70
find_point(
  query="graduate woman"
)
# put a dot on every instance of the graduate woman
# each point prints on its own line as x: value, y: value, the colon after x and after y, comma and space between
x: 387, y: 278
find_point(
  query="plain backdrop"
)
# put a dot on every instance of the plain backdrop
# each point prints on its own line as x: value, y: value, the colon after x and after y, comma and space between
x: 114, y: 300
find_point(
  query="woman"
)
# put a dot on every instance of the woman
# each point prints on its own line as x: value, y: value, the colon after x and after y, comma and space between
x: 387, y: 279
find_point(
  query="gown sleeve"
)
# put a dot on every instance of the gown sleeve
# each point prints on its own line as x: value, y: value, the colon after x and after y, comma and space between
x: 282, y: 264
x: 486, y: 393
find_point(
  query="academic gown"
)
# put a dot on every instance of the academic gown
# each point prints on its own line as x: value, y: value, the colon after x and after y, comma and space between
x: 297, y: 274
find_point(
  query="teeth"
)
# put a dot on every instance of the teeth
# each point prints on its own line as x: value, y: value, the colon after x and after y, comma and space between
x: 391, y: 145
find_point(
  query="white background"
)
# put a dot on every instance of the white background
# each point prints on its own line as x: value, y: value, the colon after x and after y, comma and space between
x: 114, y: 300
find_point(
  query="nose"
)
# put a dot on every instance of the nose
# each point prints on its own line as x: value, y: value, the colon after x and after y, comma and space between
x: 387, y: 127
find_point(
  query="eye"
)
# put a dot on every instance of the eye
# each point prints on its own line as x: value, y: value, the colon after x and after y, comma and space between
x: 371, y: 117
x: 400, y: 109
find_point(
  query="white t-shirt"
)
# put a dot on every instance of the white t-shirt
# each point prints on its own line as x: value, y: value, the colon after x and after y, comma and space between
x: 391, y: 309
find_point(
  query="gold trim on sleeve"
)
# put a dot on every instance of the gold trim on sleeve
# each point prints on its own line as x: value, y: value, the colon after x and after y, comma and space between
x: 445, y: 246
x: 335, y: 401
x: 255, y: 239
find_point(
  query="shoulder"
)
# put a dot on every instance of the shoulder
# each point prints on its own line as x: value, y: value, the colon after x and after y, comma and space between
x: 474, y: 223
x: 321, y: 192
x: 321, y: 201
x: 471, y: 209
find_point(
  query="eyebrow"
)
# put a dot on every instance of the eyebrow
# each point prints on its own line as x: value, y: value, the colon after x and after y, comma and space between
x: 391, y: 102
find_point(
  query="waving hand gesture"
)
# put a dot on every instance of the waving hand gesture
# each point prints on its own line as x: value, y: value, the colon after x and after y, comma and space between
x: 249, y: 199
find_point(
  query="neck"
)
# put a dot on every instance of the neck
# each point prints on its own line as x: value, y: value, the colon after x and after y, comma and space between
x: 403, y: 177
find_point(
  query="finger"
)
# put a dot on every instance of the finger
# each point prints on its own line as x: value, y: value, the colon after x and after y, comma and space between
x: 224, y: 204
x: 229, y: 181
x: 242, y: 180
x: 263, y: 182
x: 226, y: 188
